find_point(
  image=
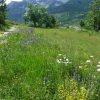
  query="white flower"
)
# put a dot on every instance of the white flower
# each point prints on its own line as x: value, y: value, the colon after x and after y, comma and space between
x: 59, y: 54
x: 58, y: 61
x: 91, y: 56
x: 67, y: 60
x: 88, y: 61
x: 98, y: 65
x: 98, y: 70
x: 99, y: 62
x: 80, y: 67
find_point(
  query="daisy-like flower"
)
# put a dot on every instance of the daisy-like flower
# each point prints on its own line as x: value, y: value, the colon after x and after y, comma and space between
x: 91, y: 56
x: 98, y: 70
x: 58, y: 61
x: 88, y: 61
x: 98, y: 65
x: 67, y: 60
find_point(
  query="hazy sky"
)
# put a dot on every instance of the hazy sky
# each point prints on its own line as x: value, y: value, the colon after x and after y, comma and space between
x: 8, y: 1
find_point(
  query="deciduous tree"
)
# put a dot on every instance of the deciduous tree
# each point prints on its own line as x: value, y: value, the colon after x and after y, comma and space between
x: 93, y: 17
x: 39, y: 16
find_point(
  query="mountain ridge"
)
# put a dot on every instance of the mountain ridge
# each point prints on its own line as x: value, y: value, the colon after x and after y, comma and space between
x: 55, y: 7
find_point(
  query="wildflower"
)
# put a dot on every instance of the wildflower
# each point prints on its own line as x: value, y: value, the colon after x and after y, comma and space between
x: 98, y: 65
x: 67, y: 60
x: 59, y: 54
x: 91, y: 56
x: 58, y: 61
x: 3, y: 41
x: 99, y: 62
x: 88, y: 61
x: 98, y: 70
x: 80, y: 67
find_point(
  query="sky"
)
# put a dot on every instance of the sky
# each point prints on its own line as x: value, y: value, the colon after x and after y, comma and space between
x: 8, y: 1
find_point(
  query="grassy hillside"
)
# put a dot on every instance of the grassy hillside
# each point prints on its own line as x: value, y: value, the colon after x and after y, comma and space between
x: 50, y: 64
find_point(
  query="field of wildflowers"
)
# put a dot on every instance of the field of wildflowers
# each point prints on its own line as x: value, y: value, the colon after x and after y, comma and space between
x: 50, y: 64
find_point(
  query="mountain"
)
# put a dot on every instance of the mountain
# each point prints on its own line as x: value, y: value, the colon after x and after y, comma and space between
x: 71, y: 6
x: 64, y: 10
x: 71, y: 11
x: 48, y: 2
x: 16, y: 9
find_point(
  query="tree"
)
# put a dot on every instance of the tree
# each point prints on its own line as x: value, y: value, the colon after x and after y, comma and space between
x: 2, y: 12
x: 49, y: 21
x: 82, y: 24
x: 93, y: 17
x: 39, y: 16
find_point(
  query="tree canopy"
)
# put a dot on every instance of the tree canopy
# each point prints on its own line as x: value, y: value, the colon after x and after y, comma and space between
x: 38, y: 15
x: 93, y: 17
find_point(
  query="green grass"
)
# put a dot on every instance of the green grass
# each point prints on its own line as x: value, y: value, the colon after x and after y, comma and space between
x: 71, y: 41
x: 1, y: 32
x: 29, y: 67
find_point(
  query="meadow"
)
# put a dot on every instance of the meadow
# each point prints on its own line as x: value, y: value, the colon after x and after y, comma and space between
x: 50, y: 64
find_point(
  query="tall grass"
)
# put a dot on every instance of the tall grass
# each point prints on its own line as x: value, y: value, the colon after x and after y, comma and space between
x: 50, y: 64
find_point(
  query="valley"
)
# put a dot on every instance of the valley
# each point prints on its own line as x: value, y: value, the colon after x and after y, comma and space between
x: 50, y: 50
x: 58, y: 8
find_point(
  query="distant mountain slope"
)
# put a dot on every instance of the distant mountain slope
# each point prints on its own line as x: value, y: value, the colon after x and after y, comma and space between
x: 71, y: 6
x: 16, y: 10
x: 47, y: 2
x: 71, y: 11
x: 64, y: 10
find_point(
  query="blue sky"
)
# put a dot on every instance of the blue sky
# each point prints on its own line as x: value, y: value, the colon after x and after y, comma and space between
x: 8, y: 1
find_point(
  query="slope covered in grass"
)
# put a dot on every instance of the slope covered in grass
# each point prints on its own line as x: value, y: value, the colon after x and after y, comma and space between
x: 50, y: 64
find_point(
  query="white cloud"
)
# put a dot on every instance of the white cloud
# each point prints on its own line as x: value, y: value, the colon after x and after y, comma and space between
x: 8, y: 1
